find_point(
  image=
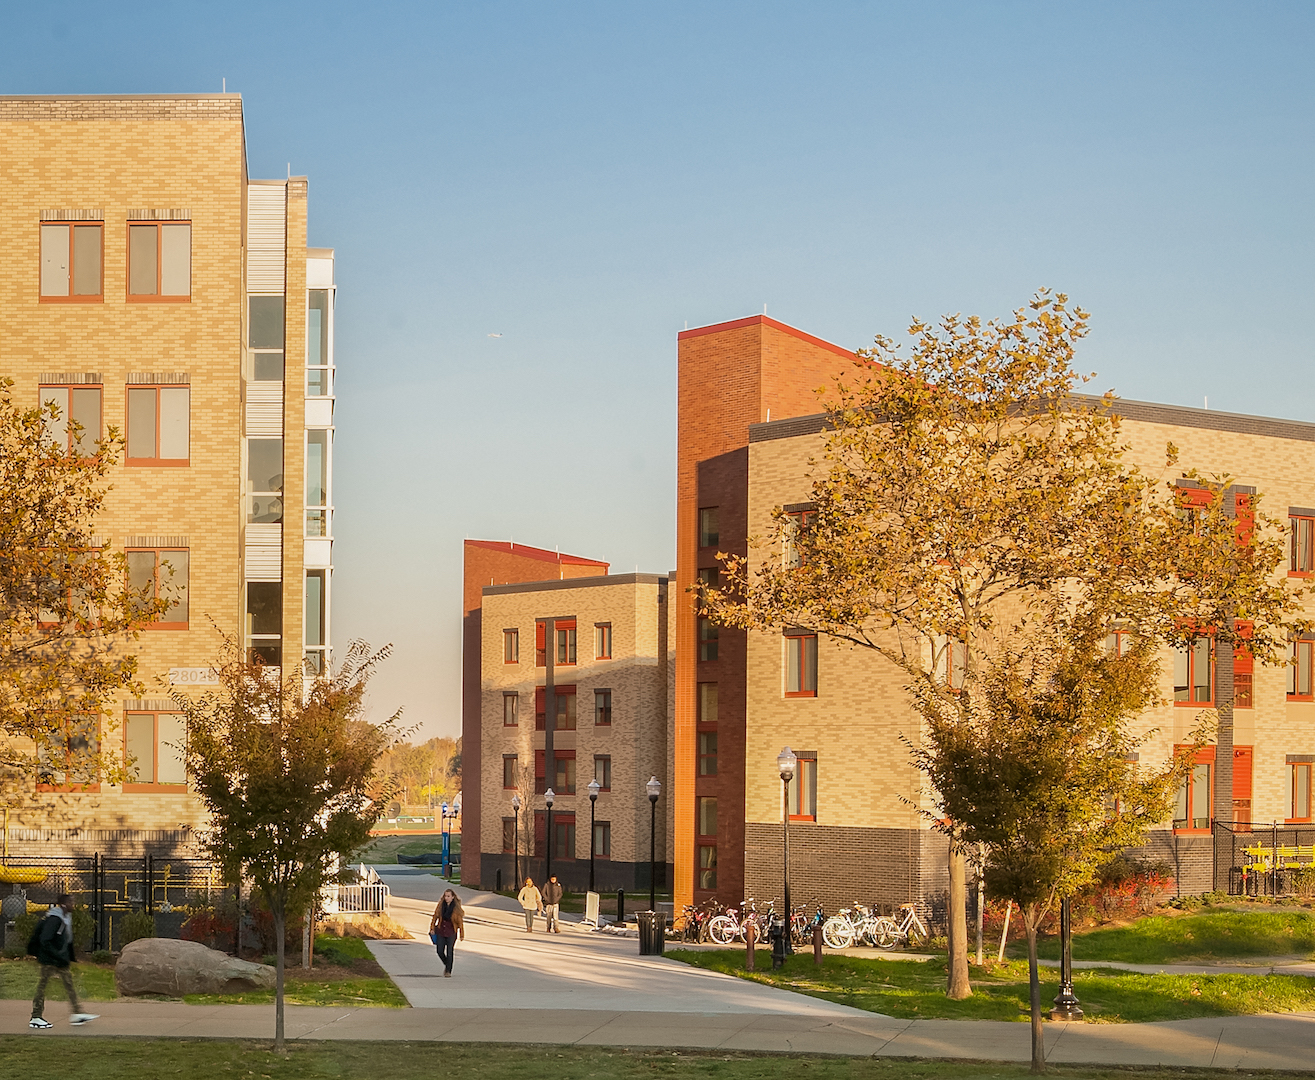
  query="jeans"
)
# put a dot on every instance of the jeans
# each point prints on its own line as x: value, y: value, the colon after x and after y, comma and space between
x: 446, y: 950
x: 529, y: 918
x: 66, y: 977
x: 550, y: 915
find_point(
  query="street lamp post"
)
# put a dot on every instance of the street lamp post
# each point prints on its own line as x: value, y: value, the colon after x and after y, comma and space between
x: 516, y: 843
x: 594, y: 788
x: 548, y: 797
x: 786, y: 762
x: 1067, y: 1006
x: 654, y: 789
x: 443, y: 828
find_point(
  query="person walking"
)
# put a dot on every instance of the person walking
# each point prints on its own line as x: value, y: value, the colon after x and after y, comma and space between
x: 53, y: 941
x: 531, y: 902
x: 447, y: 923
x: 552, y: 898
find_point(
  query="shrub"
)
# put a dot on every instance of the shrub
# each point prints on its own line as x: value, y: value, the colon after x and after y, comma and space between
x: 23, y: 927
x: 209, y: 926
x: 102, y: 956
x: 135, y: 925
x: 372, y: 927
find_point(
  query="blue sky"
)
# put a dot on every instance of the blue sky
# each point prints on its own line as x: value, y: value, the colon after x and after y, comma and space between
x: 584, y: 179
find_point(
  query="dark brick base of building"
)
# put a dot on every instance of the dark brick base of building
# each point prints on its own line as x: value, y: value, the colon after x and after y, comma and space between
x: 841, y: 866
x: 609, y: 875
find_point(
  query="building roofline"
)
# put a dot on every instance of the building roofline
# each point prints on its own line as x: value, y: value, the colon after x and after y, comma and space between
x: 117, y: 97
x: 541, y: 554
x: 554, y: 585
x: 1145, y: 411
x: 763, y: 320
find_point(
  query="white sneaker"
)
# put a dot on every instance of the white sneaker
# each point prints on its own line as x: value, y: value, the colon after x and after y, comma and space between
x: 40, y: 1023
x: 83, y: 1018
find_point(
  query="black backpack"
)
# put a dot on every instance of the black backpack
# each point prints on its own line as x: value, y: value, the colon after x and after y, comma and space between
x: 34, y: 942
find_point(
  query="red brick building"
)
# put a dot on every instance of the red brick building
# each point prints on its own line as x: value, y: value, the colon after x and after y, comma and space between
x: 494, y: 562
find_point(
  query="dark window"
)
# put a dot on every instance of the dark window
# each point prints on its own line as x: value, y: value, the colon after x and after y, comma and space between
x: 707, y: 816
x: 603, y: 641
x: 707, y: 639
x: 511, y: 646
x: 709, y: 533
x: 508, y: 834
x: 707, y: 867
x: 707, y: 703
x: 509, y: 769
x: 603, y: 771
x: 264, y: 622
x: 792, y: 530
x: 563, y: 836
x: 1193, y: 673
x: 564, y: 781
x: 603, y: 708
x: 603, y: 839
x: 509, y: 708
x: 1192, y: 811
x: 565, y: 715
x: 265, y: 338
x: 540, y: 708
x: 707, y: 753
x: 565, y: 634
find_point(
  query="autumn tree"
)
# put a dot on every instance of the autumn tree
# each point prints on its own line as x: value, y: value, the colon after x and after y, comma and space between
x: 1044, y: 770
x: 968, y: 502
x: 66, y: 614
x: 430, y: 770
x: 288, y: 773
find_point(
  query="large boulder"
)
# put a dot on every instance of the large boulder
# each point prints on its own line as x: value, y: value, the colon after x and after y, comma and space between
x: 173, y: 968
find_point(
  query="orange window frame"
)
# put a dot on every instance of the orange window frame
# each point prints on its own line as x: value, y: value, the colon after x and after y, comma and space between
x: 564, y: 704
x: 159, y: 462
x: 1204, y: 756
x: 88, y: 298
x: 1296, y: 771
x: 797, y: 649
x: 565, y: 643
x: 1303, y: 650
x: 1299, y: 524
x: 161, y: 554
x: 91, y: 786
x: 1191, y: 684
x: 603, y: 641
x: 68, y: 416
x: 155, y: 297
x: 805, y: 781
x: 144, y: 785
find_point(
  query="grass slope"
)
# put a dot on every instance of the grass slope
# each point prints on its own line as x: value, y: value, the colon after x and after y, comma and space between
x: 166, y: 1059
x: 1212, y: 934
x: 910, y: 989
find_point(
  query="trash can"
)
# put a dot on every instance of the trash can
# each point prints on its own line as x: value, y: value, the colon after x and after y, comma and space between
x: 652, y: 932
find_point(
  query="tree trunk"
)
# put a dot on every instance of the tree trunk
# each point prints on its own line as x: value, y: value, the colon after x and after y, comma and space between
x: 280, y: 922
x: 957, y: 926
x: 1034, y: 986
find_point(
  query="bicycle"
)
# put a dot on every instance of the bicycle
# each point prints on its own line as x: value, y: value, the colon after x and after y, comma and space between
x: 853, y: 925
x: 693, y: 925
x: 732, y: 925
x: 909, y: 929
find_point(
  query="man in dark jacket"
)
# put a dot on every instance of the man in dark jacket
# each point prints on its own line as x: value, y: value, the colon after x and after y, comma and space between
x: 552, y: 896
x: 55, y: 954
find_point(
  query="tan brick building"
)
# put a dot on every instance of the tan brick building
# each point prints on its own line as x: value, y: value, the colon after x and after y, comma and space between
x: 855, y: 830
x: 575, y: 687
x: 150, y: 286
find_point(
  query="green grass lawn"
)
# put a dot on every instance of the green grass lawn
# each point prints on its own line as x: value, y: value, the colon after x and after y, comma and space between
x: 18, y: 979
x: 1212, y: 934
x: 166, y: 1059
x: 385, y: 849
x: 907, y: 988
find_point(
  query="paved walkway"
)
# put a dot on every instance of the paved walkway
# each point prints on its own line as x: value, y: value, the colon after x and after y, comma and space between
x: 588, y: 989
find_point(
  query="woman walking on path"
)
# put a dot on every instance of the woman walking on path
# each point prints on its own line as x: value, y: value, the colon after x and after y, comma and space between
x: 531, y: 902
x: 447, y: 923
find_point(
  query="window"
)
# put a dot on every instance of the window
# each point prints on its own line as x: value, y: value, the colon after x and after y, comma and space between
x: 709, y: 578
x: 315, y: 613
x: 707, y: 704
x: 72, y: 261
x: 565, y: 712
x: 264, y: 623
x: 707, y: 867
x: 1243, y: 669
x: 707, y: 753
x: 509, y: 834
x: 1299, y: 786
x: 603, y: 839
x: 709, y: 533
x: 707, y: 816
x: 509, y: 707
x: 1117, y: 643
x: 509, y: 771
x: 265, y: 338
x: 565, y: 634
x: 153, y: 743
x: 162, y: 573
x: 707, y: 639
x: 540, y: 768
x: 602, y: 708
x: 265, y: 481
x: 540, y: 646
x: 801, y: 665
x: 1193, y: 505
x: 317, y: 481
x: 160, y: 260
x: 1193, y: 673
x: 72, y: 417
x: 1299, y: 671
x: 318, y: 373
x: 603, y: 641
x: 1301, y: 544
x: 159, y: 425
x: 564, y: 769
x: 511, y: 646
x: 954, y: 661
x: 792, y: 530
x: 803, y: 788
x: 67, y: 754
x: 563, y: 827
x: 1195, y: 798
x: 603, y: 771
x: 540, y: 708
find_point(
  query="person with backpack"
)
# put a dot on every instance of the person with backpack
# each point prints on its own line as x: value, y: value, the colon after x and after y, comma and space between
x: 52, y: 944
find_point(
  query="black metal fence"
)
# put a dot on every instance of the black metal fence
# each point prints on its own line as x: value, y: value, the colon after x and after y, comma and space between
x: 111, y: 888
x: 1261, y: 858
